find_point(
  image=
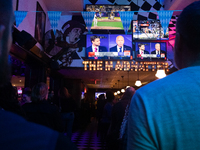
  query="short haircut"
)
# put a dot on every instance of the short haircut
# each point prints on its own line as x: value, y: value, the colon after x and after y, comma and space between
x: 39, y: 92
x: 119, y: 36
x: 139, y: 45
x: 101, y: 97
x: 92, y: 38
x: 188, y: 26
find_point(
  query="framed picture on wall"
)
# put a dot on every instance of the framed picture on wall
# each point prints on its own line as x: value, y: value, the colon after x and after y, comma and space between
x: 40, y: 24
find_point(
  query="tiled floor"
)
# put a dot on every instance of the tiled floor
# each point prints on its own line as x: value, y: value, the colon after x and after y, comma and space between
x: 86, y: 139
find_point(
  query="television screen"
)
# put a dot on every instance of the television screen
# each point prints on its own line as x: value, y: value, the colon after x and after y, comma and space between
x: 19, y: 91
x: 107, y: 16
x: 148, y: 30
x: 109, y: 46
x: 154, y: 51
x: 98, y: 41
x: 97, y: 94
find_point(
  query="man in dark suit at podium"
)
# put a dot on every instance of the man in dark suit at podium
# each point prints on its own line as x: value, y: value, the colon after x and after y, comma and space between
x: 95, y: 47
x: 158, y: 52
x: 120, y: 47
x: 141, y: 51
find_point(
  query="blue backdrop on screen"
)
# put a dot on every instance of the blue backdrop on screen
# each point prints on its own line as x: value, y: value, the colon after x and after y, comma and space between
x: 127, y: 40
x: 162, y: 46
x: 150, y: 49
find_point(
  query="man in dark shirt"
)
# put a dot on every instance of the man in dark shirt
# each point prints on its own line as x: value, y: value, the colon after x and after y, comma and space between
x: 16, y: 132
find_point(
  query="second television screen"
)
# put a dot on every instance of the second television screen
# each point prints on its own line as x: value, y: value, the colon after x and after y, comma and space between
x: 107, y: 16
x: 148, y: 30
x: 150, y: 51
x: 109, y: 46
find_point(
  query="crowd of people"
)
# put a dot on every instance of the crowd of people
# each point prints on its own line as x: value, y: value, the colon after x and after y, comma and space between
x: 37, y: 107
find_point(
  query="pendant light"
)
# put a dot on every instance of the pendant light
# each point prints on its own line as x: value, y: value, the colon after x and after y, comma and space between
x: 160, y: 73
x: 122, y: 90
x: 118, y: 92
x: 138, y: 82
x: 128, y: 81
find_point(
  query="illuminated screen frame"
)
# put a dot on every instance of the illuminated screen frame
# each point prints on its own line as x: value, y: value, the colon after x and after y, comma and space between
x: 150, y: 47
x: 111, y: 19
x: 109, y: 42
x: 148, y: 30
x: 97, y: 94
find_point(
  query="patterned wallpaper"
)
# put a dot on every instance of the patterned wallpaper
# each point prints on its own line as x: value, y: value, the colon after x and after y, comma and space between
x: 136, y: 5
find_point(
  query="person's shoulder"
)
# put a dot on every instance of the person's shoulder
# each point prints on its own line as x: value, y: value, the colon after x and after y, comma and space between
x: 162, y: 51
x: 125, y: 46
x: 113, y: 49
x: 54, y: 107
x: 46, y: 107
x: 153, y: 52
x: 29, y: 107
x: 117, y: 105
x: 88, y: 48
x: 27, y: 131
x: 102, y: 48
x: 161, y: 84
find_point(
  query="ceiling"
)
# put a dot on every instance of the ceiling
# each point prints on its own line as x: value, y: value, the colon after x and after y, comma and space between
x: 78, y: 5
x: 108, y: 79
x: 64, y: 5
x: 18, y: 81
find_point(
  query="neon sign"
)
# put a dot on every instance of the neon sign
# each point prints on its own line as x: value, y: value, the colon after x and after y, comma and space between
x: 93, y: 65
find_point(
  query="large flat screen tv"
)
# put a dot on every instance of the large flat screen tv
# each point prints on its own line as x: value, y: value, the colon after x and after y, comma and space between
x: 150, y: 51
x: 107, y: 16
x: 111, y: 47
x: 148, y: 30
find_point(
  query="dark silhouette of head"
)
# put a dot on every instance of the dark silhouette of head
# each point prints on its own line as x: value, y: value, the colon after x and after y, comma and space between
x: 109, y: 96
x: 102, y: 97
x: 39, y: 92
x: 187, y: 45
x: 128, y: 94
x: 63, y: 93
x: 8, y: 98
x: 6, y: 23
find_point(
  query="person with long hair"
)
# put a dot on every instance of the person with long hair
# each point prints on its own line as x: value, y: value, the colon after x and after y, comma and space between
x: 67, y: 108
